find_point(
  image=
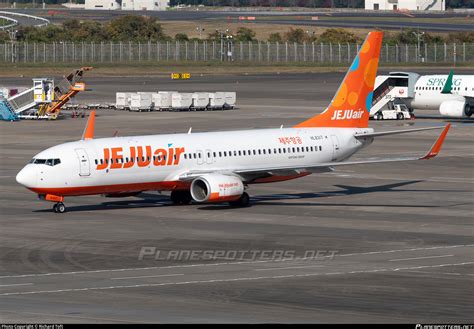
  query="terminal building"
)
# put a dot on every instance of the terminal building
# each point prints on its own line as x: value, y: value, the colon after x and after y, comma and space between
x: 405, y: 4
x: 101, y: 4
x: 145, y: 4
x: 155, y: 5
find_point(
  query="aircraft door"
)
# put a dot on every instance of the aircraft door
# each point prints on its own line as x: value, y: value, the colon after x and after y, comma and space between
x: 200, y: 157
x: 209, y: 158
x: 84, y: 165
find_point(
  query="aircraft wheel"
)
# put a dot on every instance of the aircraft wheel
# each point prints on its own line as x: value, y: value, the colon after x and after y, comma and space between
x: 55, y: 208
x: 175, y: 197
x: 181, y: 197
x: 60, y: 207
x: 186, y: 197
x: 243, y: 201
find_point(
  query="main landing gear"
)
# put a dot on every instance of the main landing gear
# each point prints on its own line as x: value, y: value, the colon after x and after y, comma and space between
x: 181, y: 197
x: 243, y: 201
x: 59, y: 208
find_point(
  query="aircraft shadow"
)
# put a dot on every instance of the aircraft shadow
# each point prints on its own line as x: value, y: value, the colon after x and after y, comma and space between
x: 146, y: 200
x: 272, y: 199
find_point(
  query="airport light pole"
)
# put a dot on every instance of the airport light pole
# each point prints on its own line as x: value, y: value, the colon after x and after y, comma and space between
x: 12, y: 34
x: 224, y: 36
x: 418, y: 39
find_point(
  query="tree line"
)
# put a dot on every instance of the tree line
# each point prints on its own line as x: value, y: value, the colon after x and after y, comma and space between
x: 143, y: 29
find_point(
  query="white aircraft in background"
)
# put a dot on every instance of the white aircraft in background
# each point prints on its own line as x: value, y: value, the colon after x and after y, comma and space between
x: 452, y: 95
x: 218, y: 166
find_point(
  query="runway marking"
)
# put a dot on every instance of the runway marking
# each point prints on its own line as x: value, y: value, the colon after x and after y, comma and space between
x: 229, y: 263
x: 401, y: 259
x: 447, y: 273
x: 231, y: 280
x: 286, y: 268
x: 15, y: 284
x: 146, y: 276
x: 403, y: 250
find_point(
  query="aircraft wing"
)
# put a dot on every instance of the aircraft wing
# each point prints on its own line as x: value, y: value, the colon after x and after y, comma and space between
x: 247, y: 174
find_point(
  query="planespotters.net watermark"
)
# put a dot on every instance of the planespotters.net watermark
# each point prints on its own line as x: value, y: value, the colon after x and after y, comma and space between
x: 153, y: 253
x: 444, y: 326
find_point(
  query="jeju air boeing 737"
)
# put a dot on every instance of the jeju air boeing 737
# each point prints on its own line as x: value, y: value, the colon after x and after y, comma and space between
x: 218, y: 166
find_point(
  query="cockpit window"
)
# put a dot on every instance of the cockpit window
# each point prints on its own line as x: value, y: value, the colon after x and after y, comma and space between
x: 48, y: 162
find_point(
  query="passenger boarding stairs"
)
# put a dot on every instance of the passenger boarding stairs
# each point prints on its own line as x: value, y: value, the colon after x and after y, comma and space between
x: 428, y: 4
x: 384, y: 94
x: 23, y: 101
x: 7, y: 113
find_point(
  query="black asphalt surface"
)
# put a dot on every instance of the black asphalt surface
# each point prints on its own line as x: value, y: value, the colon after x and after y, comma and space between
x: 395, y: 242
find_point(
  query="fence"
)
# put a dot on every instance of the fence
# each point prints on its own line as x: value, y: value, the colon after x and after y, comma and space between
x: 209, y: 51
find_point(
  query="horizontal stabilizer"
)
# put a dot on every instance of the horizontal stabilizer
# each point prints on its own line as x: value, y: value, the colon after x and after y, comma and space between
x: 393, y: 132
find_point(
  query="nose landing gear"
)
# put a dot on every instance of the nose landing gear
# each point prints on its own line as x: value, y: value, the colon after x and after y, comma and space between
x: 59, y: 208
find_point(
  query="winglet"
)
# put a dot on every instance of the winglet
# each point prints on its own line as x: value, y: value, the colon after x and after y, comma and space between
x: 448, y: 86
x: 89, y: 130
x: 437, y: 145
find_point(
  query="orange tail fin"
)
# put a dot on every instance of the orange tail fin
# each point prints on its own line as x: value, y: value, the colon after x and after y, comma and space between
x: 351, y: 105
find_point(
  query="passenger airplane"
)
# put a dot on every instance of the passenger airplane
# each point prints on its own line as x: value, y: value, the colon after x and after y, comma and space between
x: 452, y: 95
x: 218, y: 166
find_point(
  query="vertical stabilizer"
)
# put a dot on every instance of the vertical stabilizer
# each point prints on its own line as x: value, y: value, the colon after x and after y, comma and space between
x: 351, y: 104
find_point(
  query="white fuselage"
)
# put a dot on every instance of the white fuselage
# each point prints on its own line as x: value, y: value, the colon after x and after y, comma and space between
x: 159, y: 160
x: 428, y: 91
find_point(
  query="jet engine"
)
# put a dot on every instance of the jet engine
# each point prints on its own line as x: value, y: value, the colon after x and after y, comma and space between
x: 216, y: 188
x: 455, y: 109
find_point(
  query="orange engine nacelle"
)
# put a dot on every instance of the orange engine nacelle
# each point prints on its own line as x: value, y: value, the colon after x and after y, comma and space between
x: 216, y: 188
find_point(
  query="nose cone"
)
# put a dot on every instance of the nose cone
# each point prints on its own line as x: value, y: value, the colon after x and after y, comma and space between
x: 26, y: 177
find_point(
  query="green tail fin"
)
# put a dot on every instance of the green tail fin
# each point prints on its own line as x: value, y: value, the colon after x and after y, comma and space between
x: 449, y: 84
